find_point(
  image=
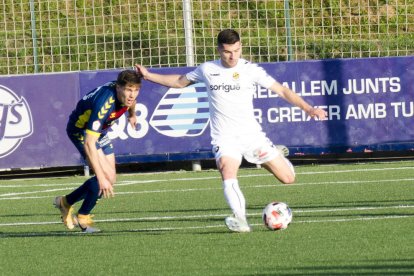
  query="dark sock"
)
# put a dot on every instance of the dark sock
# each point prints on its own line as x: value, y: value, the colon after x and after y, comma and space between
x: 79, y: 193
x: 91, y: 197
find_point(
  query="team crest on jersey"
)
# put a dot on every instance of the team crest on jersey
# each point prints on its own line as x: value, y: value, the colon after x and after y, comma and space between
x: 182, y: 112
x: 236, y: 76
x: 16, y: 121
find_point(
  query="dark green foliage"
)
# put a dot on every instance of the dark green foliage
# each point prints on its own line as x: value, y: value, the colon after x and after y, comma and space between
x: 91, y: 35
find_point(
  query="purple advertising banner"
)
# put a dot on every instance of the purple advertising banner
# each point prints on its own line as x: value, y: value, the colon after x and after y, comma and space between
x: 370, y: 105
x: 33, y: 114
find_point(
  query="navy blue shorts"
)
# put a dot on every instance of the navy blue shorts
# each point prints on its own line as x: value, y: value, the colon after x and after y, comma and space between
x: 78, y: 139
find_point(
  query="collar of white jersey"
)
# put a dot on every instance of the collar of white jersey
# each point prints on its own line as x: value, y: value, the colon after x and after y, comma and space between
x: 239, y: 62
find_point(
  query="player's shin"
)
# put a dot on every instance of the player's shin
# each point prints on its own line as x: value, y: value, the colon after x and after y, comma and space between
x: 91, y: 196
x: 234, y: 197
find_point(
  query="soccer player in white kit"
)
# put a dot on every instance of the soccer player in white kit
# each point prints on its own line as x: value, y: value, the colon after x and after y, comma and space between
x: 231, y: 83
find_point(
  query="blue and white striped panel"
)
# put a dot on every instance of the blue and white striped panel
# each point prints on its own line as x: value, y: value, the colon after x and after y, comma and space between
x: 182, y: 112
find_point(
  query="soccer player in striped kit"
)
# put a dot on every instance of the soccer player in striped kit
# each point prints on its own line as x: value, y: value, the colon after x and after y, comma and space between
x: 231, y: 82
x: 87, y: 129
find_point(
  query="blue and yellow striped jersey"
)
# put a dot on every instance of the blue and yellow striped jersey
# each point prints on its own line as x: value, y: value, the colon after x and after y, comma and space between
x: 97, y: 111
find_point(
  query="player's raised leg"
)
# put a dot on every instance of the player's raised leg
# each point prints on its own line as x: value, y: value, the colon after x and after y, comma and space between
x: 281, y: 168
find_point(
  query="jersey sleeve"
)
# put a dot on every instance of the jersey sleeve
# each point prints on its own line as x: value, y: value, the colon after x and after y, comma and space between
x: 196, y: 75
x: 262, y: 77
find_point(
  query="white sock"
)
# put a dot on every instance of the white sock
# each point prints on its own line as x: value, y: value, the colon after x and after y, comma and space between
x: 234, y: 197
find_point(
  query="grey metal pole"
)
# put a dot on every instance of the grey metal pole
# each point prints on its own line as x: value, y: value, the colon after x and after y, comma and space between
x: 189, y: 50
x: 34, y: 36
x: 288, y: 31
x: 188, y: 28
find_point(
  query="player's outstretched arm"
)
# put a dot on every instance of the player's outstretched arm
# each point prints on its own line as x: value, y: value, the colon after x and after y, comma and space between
x: 170, y: 80
x: 298, y: 101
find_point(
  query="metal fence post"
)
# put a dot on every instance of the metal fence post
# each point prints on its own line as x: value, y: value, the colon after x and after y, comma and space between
x: 288, y: 31
x: 34, y: 35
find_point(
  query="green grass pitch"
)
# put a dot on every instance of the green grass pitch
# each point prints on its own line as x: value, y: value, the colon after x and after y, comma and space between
x: 348, y: 219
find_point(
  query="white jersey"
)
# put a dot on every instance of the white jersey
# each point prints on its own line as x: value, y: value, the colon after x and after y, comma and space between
x: 230, y: 94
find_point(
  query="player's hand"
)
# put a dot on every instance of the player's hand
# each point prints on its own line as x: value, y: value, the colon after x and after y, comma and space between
x: 144, y: 71
x: 133, y: 121
x: 106, y: 189
x: 318, y: 113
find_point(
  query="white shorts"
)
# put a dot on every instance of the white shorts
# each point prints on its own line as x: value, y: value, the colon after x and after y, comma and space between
x: 256, y: 149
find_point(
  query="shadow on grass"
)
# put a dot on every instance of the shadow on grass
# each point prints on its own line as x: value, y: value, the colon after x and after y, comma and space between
x: 107, y: 233
x: 373, y: 267
x: 346, y: 204
x: 172, y: 212
x: 4, y: 235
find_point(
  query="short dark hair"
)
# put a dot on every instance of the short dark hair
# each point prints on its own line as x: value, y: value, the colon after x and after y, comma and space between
x: 228, y: 36
x: 129, y: 76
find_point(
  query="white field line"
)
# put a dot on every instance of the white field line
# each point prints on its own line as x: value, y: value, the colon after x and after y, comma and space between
x: 167, y: 218
x: 259, y: 224
x: 160, y: 229
x: 20, y: 195
x: 134, y: 182
x: 211, y: 226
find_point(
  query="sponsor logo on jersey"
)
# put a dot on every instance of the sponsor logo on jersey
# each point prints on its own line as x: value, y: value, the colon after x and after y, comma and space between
x: 16, y: 121
x: 224, y: 87
x: 182, y: 112
x: 96, y: 125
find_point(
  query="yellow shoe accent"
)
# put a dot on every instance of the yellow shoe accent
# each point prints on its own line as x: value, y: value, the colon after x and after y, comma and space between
x: 85, y: 223
x: 84, y: 220
x: 66, y: 211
